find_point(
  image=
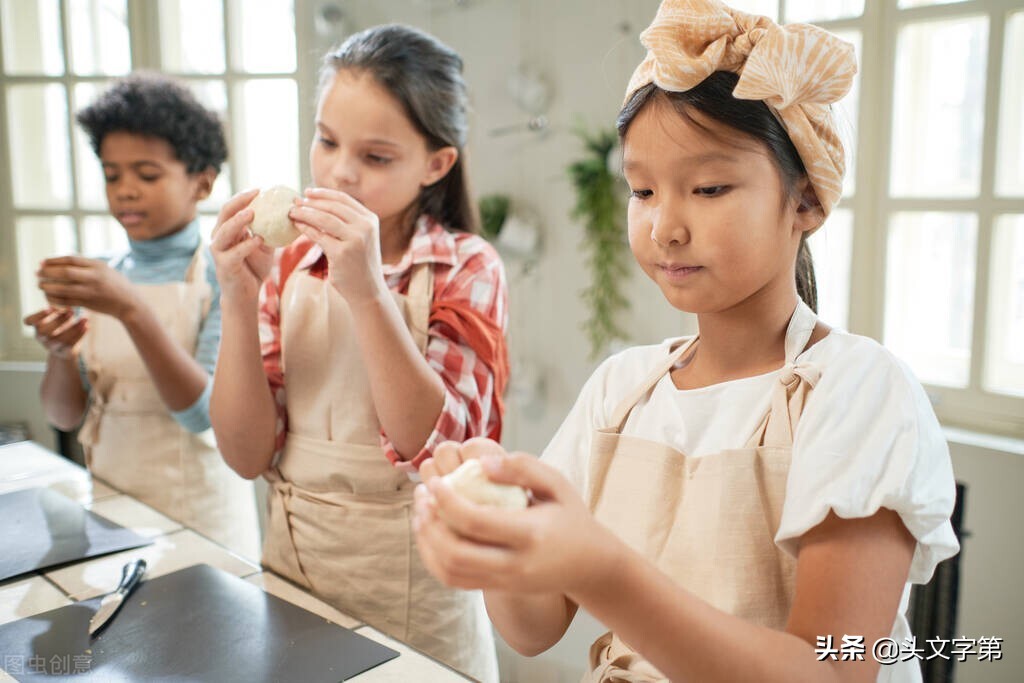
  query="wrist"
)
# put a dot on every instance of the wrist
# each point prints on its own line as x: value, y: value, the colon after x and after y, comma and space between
x: 606, y: 559
x: 372, y: 303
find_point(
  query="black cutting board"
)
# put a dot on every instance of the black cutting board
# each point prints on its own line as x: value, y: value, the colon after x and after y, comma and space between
x: 196, y: 624
x: 41, y: 528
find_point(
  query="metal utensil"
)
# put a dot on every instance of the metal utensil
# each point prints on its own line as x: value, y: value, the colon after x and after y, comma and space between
x: 131, y: 575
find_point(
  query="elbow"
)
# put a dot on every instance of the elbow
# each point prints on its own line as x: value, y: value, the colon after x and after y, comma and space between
x: 528, y: 647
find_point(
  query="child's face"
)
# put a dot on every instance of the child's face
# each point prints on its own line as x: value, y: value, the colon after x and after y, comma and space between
x: 149, y: 191
x: 706, y: 219
x: 367, y: 147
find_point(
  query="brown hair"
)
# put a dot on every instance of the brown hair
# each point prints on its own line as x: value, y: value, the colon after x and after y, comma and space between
x: 425, y: 76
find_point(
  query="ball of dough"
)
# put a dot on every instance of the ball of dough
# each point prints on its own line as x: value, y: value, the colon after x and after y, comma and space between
x: 270, y: 220
x: 470, y: 481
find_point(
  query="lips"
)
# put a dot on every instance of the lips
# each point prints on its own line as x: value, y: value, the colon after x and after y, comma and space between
x: 678, y: 271
x: 127, y: 218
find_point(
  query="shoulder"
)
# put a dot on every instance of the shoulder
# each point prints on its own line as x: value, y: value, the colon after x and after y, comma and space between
x: 854, y: 365
x: 473, y: 255
x: 625, y: 370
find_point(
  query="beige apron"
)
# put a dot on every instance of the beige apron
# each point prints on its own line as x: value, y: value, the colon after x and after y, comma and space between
x: 131, y: 440
x: 339, y: 513
x: 708, y: 522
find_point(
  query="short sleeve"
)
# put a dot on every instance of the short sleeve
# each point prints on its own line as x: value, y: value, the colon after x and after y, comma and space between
x: 869, y: 439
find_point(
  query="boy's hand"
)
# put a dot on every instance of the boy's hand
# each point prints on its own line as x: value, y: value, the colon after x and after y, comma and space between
x: 79, y: 281
x: 58, y: 330
x: 553, y: 546
x: 349, y: 234
x: 242, y: 260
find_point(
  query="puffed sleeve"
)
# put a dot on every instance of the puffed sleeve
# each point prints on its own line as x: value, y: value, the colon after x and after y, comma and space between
x: 868, y: 439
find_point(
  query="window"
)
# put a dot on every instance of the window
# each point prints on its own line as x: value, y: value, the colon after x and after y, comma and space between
x: 56, y: 56
x: 925, y: 251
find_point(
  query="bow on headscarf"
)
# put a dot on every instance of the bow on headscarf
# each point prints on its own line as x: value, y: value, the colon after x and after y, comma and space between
x: 798, y: 70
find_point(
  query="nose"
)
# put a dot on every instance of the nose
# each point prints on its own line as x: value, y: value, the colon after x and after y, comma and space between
x: 345, y: 171
x: 669, y: 224
x: 124, y: 189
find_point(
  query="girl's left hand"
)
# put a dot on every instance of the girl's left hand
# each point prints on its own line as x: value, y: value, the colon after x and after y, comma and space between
x: 349, y: 234
x: 79, y: 281
x: 555, y: 545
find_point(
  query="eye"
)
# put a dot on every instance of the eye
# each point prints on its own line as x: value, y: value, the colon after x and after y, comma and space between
x: 711, y: 190
x: 640, y: 194
x: 378, y: 159
x: 110, y: 179
x: 329, y: 144
x: 149, y: 178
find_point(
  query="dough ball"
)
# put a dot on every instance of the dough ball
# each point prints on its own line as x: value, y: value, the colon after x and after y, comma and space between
x: 470, y: 481
x: 270, y: 220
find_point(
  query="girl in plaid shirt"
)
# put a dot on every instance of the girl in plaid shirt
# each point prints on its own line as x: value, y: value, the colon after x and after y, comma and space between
x: 379, y: 333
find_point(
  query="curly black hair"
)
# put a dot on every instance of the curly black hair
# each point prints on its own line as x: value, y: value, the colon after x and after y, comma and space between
x: 156, y: 105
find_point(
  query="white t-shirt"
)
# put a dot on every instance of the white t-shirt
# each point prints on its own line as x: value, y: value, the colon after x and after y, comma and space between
x: 867, y: 438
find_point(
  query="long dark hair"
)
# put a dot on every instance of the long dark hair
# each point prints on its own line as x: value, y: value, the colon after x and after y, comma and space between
x: 713, y: 97
x: 425, y: 76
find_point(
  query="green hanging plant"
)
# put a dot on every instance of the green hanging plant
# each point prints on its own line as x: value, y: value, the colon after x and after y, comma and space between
x: 493, y: 212
x: 599, y: 205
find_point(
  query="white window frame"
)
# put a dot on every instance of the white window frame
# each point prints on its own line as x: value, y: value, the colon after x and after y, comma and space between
x: 144, y: 43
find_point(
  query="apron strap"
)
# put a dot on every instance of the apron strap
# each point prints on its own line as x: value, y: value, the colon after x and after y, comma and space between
x: 421, y: 299
x: 626, y: 405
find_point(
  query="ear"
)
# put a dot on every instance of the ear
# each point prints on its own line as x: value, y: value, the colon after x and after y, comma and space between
x: 809, y: 212
x: 204, y: 183
x: 438, y: 165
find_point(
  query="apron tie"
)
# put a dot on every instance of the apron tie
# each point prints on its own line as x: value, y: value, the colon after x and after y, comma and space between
x: 796, y: 380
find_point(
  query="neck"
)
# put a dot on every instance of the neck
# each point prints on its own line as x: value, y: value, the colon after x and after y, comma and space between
x: 395, y: 234
x: 743, y: 341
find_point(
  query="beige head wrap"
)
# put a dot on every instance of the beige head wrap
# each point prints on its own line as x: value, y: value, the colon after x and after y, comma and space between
x: 798, y: 70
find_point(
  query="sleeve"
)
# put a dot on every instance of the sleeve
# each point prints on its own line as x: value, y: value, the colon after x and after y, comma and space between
x: 869, y: 439
x: 196, y: 418
x: 270, y: 349
x: 468, y: 410
x: 569, y: 449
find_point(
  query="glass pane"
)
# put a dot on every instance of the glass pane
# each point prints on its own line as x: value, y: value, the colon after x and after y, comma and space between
x: 767, y: 8
x: 939, y: 108
x: 846, y: 112
x: 103, y: 236
x: 929, y: 294
x: 40, y: 237
x: 263, y: 36
x: 92, y: 193
x: 192, y: 36
x: 31, y: 37
x: 99, y: 37
x: 266, y: 143
x: 214, y: 96
x: 832, y: 248
x: 1004, y: 355
x: 903, y: 4
x: 822, y: 10
x: 1010, y: 169
x: 37, y: 120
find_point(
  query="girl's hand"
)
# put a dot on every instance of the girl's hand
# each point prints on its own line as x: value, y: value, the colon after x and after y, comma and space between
x: 79, y: 281
x: 58, y: 330
x: 555, y: 545
x: 450, y: 454
x: 349, y: 234
x: 241, y: 259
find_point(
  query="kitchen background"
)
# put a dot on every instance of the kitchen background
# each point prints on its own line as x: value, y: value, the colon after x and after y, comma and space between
x: 926, y: 252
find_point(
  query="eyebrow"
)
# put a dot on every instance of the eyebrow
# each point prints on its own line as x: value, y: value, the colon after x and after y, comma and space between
x: 372, y: 141
x: 134, y: 164
x: 706, y: 158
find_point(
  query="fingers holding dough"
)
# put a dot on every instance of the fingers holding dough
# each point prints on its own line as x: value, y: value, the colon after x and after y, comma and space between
x: 270, y: 220
x: 470, y: 481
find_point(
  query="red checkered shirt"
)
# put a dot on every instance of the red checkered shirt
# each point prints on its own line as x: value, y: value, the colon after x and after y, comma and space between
x: 466, y: 269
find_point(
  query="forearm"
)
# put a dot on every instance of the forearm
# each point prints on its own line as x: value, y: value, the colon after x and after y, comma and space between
x: 242, y: 409
x: 178, y: 378
x: 530, y: 624
x: 408, y: 394
x: 61, y: 392
x: 689, y: 640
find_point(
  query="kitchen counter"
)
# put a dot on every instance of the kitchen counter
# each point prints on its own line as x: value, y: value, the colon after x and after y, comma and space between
x: 28, y: 465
